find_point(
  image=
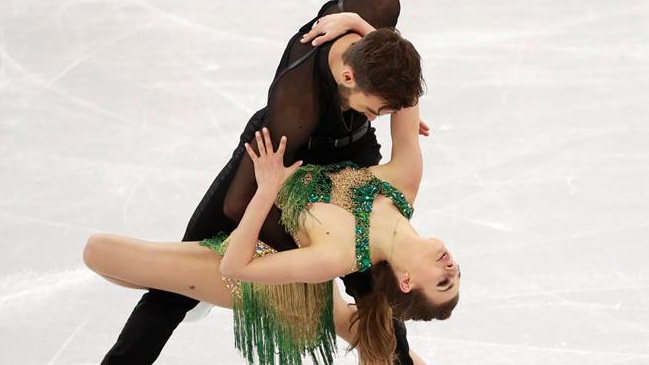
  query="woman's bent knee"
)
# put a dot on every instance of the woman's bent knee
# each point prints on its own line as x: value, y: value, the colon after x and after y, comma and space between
x: 92, y: 252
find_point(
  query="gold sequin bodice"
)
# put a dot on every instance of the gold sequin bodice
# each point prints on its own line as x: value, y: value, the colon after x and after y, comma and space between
x: 342, y: 183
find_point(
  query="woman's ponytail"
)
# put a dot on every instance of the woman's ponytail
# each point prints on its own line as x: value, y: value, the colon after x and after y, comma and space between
x: 374, y: 339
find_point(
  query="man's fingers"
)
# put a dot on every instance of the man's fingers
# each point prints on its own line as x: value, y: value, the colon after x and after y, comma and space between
x: 424, y: 129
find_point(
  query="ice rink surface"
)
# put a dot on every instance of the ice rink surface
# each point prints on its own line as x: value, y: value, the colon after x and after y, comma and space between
x: 116, y: 116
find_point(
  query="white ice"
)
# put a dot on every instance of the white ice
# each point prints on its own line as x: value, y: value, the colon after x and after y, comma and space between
x: 116, y: 116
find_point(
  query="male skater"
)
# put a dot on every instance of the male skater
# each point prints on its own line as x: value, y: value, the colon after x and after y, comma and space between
x: 322, y: 99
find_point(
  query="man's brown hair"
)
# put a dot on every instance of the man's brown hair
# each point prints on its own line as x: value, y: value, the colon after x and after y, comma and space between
x: 388, y: 66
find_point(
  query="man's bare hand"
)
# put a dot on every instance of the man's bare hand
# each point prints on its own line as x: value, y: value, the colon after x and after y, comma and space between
x: 424, y: 129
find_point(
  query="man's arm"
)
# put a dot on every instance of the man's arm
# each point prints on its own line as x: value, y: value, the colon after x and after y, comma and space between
x: 293, y: 112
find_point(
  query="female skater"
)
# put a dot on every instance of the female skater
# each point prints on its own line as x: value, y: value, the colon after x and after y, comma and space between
x: 345, y: 219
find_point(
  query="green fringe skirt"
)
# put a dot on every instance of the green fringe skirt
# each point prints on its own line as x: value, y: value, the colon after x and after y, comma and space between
x: 280, y: 324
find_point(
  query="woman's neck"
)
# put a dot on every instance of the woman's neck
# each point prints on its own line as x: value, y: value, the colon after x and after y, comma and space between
x: 398, y: 243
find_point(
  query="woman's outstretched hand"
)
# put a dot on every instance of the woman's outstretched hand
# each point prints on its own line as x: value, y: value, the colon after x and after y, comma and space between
x: 329, y: 27
x: 270, y: 171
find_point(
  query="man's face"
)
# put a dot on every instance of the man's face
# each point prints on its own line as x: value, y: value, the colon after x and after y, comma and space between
x: 370, y: 105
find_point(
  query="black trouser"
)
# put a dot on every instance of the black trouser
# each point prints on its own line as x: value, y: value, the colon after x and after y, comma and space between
x: 159, y: 312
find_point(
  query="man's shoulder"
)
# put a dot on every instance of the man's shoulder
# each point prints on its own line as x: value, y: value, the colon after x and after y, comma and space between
x: 343, y: 42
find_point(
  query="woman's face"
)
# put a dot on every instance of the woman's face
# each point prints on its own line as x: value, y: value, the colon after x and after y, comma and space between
x: 439, y: 276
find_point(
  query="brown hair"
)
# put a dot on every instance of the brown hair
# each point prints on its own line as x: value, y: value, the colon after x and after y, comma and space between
x: 388, y: 66
x: 374, y: 339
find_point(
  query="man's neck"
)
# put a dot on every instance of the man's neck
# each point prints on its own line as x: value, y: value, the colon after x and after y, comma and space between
x: 336, y: 54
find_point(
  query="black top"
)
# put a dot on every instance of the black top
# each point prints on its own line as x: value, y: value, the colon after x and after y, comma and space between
x: 304, y: 90
x: 303, y: 101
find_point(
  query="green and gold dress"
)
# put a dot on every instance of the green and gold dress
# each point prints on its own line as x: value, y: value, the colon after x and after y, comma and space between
x: 279, y: 324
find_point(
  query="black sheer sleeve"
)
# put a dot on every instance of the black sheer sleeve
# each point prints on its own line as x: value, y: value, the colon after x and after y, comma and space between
x: 294, y: 110
x: 379, y: 13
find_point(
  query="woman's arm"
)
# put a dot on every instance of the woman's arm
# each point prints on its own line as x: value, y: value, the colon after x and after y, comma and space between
x: 270, y: 174
x: 313, y: 264
x: 405, y: 168
x: 316, y: 263
x: 359, y: 16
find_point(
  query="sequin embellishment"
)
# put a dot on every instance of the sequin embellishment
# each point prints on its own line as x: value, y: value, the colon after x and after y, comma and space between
x: 347, y: 186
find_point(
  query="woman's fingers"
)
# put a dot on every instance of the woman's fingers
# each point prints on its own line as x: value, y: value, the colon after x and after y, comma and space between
x: 260, y: 144
x: 251, y: 152
x: 265, y: 145
x: 282, y: 146
x: 294, y: 167
x: 268, y: 143
x: 315, y: 31
x: 318, y: 36
x: 322, y: 31
x: 329, y: 27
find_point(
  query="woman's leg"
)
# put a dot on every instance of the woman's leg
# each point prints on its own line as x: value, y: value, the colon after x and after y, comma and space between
x: 181, y: 267
x: 125, y: 284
